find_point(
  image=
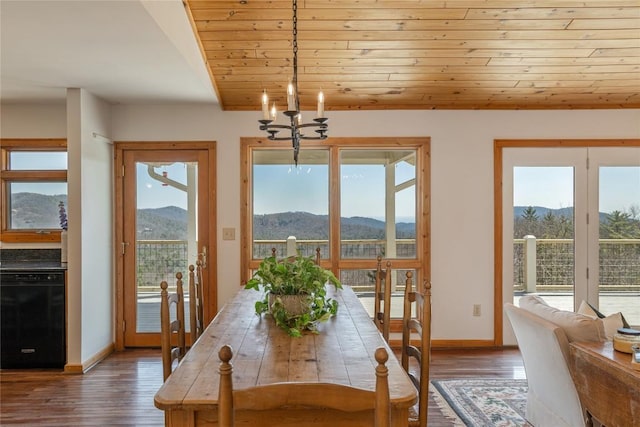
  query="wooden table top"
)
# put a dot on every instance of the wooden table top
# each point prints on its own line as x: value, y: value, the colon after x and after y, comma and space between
x: 608, y: 386
x: 603, y: 353
x: 342, y: 353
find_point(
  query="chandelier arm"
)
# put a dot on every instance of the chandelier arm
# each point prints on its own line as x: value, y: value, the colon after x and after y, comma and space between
x: 279, y: 138
x: 312, y: 125
x: 267, y: 127
x: 313, y: 138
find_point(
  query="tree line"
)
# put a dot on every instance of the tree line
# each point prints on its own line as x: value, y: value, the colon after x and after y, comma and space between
x: 551, y: 225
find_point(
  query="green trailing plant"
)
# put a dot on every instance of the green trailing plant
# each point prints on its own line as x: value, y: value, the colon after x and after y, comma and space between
x: 297, y: 275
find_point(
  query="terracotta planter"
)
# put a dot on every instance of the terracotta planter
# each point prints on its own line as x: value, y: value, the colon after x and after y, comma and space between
x: 294, y: 305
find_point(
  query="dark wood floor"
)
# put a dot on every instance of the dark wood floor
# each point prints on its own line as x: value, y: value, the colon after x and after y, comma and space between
x: 119, y: 391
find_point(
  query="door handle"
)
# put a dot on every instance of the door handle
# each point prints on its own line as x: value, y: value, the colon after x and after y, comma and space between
x: 203, y: 255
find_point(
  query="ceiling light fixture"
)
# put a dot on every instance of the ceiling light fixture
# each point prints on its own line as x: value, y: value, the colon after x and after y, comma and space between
x: 267, y: 123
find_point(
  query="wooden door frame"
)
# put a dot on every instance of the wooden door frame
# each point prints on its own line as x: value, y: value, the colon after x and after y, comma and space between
x: 211, y: 306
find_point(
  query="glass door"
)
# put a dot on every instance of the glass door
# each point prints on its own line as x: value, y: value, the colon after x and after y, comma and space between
x: 616, y: 233
x: 165, y: 230
x: 571, y: 227
x: 544, y: 200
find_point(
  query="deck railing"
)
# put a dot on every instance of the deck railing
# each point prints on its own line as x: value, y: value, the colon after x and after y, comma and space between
x: 619, y: 261
x: 548, y: 264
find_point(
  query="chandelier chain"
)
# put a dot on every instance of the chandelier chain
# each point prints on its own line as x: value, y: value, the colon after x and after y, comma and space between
x: 295, y: 52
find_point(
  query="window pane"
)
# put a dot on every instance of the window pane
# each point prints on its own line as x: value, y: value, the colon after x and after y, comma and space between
x: 290, y: 201
x: 34, y: 205
x: 378, y: 203
x: 38, y: 160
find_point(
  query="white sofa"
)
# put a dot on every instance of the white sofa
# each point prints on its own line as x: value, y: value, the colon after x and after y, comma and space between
x: 543, y: 334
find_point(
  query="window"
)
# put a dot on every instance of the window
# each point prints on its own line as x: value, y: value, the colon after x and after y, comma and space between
x: 34, y: 182
x: 351, y: 198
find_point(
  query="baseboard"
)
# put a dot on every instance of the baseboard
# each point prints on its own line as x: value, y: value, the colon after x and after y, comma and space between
x: 90, y: 362
x: 444, y: 344
x: 463, y: 344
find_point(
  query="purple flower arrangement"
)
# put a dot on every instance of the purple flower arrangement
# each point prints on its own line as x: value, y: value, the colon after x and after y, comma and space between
x: 62, y: 213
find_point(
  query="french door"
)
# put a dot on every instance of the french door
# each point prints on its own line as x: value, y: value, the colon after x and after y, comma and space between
x: 167, y: 201
x: 571, y: 226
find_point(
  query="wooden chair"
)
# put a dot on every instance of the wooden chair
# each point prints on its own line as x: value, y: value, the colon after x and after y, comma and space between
x: 382, y: 298
x: 416, y: 323
x: 170, y: 328
x: 196, y: 318
x: 303, y: 395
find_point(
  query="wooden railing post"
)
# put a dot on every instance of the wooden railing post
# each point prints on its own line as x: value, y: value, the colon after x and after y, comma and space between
x: 530, y: 278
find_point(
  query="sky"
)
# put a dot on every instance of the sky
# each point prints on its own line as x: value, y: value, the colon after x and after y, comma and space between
x: 552, y: 187
x: 362, y: 189
x: 282, y: 188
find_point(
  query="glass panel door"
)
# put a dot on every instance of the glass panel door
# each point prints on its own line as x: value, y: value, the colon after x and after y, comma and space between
x: 544, y: 224
x: 619, y: 243
x: 377, y: 217
x: 163, y: 228
x: 615, y: 235
x: 547, y: 239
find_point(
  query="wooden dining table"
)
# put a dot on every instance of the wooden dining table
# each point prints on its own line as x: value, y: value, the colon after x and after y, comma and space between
x: 342, y: 353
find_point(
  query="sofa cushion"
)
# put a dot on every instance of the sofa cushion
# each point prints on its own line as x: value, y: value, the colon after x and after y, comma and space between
x: 577, y: 327
x: 611, y: 322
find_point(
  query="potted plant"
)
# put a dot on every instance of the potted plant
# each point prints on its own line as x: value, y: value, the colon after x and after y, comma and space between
x: 295, y: 293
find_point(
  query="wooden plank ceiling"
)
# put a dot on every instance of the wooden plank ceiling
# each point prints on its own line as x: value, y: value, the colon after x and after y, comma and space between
x: 424, y: 54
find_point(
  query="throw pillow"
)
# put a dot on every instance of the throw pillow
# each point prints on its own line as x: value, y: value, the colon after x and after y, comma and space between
x: 611, y: 322
x: 577, y: 327
x: 625, y: 324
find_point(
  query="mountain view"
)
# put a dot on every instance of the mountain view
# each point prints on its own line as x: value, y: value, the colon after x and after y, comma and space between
x: 31, y: 210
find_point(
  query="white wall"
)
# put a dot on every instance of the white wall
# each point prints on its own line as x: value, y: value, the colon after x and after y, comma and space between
x: 91, y: 253
x: 461, y: 183
x: 33, y: 121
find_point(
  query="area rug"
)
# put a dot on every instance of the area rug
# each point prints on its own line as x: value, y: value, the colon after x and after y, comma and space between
x: 482, y: 401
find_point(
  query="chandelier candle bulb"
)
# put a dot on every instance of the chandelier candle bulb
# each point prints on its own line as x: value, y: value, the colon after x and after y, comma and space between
x: 274, y: 113
x: 291, y: 98
x: 320, y: 105
x: 265, y: 105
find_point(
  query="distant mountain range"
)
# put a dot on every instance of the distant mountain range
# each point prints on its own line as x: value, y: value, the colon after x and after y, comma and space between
x: 29, y: 210
x: 170, y: 222
x: 542, y: 211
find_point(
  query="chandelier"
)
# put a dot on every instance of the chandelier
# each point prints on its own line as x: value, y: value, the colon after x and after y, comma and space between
x: 295, y: 126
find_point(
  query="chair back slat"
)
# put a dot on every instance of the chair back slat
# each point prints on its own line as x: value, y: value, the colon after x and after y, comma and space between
x: 418, y: 326
x: 382, y: 298
x: 171, y: 328
x: 196, y: 301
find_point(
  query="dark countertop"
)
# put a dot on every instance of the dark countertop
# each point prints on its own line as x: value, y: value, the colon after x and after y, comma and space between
x: 31, y: 260
x: 29, y: 265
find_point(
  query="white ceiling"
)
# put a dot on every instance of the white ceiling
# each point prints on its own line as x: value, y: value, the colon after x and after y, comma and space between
x: 127, y: 51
